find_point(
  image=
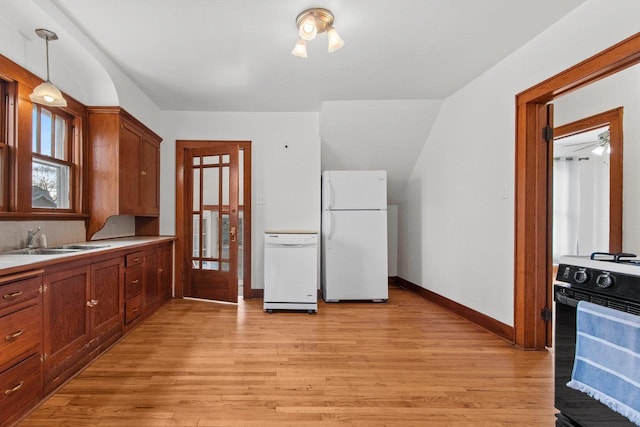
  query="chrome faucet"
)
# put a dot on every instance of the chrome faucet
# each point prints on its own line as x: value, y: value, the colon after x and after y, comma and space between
x: 30, y: 235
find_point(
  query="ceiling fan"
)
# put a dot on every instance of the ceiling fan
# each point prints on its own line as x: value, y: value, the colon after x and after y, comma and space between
x: 599, y: 145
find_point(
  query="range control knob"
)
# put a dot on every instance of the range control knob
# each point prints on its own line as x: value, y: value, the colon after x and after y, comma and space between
x: 604, y: 280
x: 581, y: 276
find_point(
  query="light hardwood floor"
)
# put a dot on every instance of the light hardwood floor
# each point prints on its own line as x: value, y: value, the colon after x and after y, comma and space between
x: 404, y: 363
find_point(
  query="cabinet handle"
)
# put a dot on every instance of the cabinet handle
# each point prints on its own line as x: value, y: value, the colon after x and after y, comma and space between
x: 12, y: 295
x: 92, y: 303
x: 135, y: 310
x: 13, y: 336
x: 143, y: 173
x: 135, y: 282
x: 13, y: 390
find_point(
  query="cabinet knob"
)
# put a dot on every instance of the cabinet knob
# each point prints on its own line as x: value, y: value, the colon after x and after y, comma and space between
x: 92, y: 303
x: 143, y: 173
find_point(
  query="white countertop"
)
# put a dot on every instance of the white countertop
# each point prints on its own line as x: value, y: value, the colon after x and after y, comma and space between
x: 12, y: 261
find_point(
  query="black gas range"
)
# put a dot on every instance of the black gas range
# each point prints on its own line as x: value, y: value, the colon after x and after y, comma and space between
x: 606, y: 279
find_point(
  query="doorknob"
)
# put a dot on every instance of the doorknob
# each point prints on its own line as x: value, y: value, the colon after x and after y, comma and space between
x: 232, y: 234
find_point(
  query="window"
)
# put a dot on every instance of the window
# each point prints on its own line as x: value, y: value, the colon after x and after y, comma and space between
x: 51, y: 163
x: 4, y: 147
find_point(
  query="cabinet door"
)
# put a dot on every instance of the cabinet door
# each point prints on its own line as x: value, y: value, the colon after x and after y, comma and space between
x: 66, y: 323
x: 166, y: 272
x: 130, y: 160
x: 149, y: 178
x: 151, y: 300
x: 106, y: 303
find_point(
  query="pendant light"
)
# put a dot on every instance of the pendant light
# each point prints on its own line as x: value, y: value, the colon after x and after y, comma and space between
x: 312, y: 22
x: 46, y: 93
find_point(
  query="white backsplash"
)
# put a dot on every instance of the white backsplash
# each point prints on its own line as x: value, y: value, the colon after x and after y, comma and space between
x: 117, y: 226
x: 14, y: 233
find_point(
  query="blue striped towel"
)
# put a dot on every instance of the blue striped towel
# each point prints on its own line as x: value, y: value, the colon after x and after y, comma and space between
x: 607, y: 363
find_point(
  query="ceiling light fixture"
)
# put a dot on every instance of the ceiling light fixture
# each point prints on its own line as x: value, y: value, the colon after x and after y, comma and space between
x: 46, y: 93
x: 312, y: 22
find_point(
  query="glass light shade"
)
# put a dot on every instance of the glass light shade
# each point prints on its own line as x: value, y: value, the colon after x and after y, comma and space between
x: 47, y: 94
x: 335, y: 41
x: 599, y: 150
x: 300, y: 49
x: 308, y: 29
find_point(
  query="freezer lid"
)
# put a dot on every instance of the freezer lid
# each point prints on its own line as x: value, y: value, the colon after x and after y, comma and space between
x: 354, y: 190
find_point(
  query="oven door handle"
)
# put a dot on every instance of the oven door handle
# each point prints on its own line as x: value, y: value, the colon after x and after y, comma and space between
x: 563, y: 299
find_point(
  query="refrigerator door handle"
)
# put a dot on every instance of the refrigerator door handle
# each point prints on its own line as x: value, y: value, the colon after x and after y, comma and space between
x: 329, y: 228
x: 327, y: 195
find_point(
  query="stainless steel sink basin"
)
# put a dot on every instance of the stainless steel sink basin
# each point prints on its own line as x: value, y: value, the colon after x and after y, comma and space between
x: 41, y: 251
x: 80, y: 247
x: 54, y: 250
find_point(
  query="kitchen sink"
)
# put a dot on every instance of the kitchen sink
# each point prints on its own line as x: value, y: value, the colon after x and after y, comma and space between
x: 54, y: 250
x: 41, y: 251
x: 80, y: 247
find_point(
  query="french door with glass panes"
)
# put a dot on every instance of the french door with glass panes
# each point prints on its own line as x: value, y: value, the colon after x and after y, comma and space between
x: 213, y: 220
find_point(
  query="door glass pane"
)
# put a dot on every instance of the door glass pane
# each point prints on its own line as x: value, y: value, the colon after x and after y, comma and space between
x: 196, y: 236
x: 210, y: 160
x: 209, y: 265
x: 225, y: 236
x: 225, y: 158
x: 195, y: 264
x: 196, y: 189
x: 210, y: 183
x: 240, y: 244
x: 225, y: 266
x: 211, y: 234
x: 225, y: 185
x: 196, y: 161
x: 241, y: 177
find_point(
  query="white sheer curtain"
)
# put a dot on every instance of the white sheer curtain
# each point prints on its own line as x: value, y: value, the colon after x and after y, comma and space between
x: 566, y: 206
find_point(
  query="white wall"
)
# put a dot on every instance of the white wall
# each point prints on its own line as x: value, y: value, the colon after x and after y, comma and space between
x: 392, y: 240
x: 285, y: 169
x: 456, y: 228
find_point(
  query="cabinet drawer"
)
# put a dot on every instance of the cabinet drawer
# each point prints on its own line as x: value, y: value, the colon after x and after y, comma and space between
x: 133, y: 282
x: 133, y: 309
x: 20, y: 389
x: 20, y: 332
x: 134, y: 258
x: 17, y: 295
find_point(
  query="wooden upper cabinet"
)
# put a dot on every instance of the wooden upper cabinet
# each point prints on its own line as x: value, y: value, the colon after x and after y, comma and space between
x: 124, y: 175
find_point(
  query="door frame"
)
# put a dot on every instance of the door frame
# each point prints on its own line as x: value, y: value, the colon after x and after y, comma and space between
x: 181, y: 147
x: 532, y: 263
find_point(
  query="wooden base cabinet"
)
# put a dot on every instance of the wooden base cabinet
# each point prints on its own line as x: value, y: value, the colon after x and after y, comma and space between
x: 56, y: 320
x: 82, y: 317
x: 20, y: 345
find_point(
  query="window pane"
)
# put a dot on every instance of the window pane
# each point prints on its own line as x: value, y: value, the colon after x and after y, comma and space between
x: 45, y: 132
x: 34, y: 127
x: 49, y: 185
x: 61, y: 138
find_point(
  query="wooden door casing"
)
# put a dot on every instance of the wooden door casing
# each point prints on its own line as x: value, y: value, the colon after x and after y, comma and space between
x: 531, y: 269
x: 182, y: 254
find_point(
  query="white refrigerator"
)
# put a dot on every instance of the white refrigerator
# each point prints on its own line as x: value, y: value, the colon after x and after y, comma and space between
x: 354, y: 236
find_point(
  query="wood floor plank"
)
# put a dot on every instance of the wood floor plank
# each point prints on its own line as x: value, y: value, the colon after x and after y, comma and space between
x: 404, y: 363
